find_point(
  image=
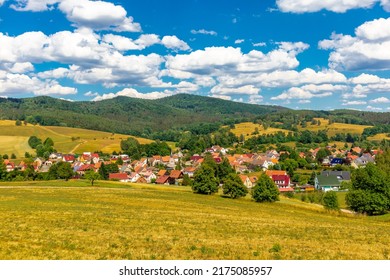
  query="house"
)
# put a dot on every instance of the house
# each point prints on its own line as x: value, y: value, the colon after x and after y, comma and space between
x: 327, y: 183
x: 336, y: 161
x: 363, y: 160
x: 176, y: 174
x: 307, y: 188
x: 162, y: 172
x: 9, y: 165
x: 84, y: 168
x: 246, y: 181
x: 68, y: 158
x: 282, y: 181
x: 189, y: 171
x: 148, y: 176
x: 133, y: 177
x: 45, y: 166
x: 121, y: 177
x: 163, y: 180
x: 269, y: 173
x: 141, y: 180
x: 55, y: 157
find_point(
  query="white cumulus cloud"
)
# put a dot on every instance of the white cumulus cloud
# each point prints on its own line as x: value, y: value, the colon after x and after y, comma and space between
x: 369, y: 49
x: 338, y: 6
x: 172, y: 42
x: 380, y: 100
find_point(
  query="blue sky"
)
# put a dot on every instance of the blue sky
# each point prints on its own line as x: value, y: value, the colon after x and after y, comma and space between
x: 294, y: 53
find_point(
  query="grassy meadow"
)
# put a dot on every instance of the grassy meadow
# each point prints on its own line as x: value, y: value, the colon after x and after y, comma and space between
x: 72, y: 220
x: 14, y: 139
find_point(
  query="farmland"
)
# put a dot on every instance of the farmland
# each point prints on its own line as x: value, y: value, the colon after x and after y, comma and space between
x: 247, y: 128
x: 71, y: 220
x: 13, y: 139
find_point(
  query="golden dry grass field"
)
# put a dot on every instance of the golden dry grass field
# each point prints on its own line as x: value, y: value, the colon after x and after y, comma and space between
x: 379, y: 137
x: 13, y: 139
x: 247, y: 128
x: 71, y: 220
x: 335, y: 128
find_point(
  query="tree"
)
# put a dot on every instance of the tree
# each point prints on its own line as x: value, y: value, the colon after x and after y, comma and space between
x: 64, y: 170
x: 370, y: 191
x: 265, y: 190
x: 13, y: 156
x: 205, y: 181
x: 111, y: 168
x: 18, y: 123
x: 34, y: 141
x: 48, y: 142
x: 103, y: 172
x: 330, y: 201
x: 92, y: 176
x: 233, y: 186
x: 186, y: 180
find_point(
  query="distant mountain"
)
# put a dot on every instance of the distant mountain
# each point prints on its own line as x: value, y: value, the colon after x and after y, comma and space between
x: 131, y: 115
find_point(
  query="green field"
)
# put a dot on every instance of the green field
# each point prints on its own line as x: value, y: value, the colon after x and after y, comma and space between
x: 71, y: 220
x: 13, y: 139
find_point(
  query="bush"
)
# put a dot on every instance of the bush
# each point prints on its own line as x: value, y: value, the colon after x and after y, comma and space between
x: 330, y: 201
x: 233, y: 186
x: 265, y: 190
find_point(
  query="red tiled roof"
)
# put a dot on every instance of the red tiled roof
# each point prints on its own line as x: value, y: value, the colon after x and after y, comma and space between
x: 86, y: 167
x: 117, y: 176
x: 176, y: 174
x: 161, y: 173
x: 162, y: 179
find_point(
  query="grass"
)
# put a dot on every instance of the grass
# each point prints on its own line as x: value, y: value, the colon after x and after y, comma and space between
x: 334, y: 128
x: 71, y: 220
x: 13, y: 139
x: 247, y: 128
x: 379, y: 137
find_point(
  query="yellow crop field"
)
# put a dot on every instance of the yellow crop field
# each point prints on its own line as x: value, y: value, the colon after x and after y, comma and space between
x: 13, y: 139
x: 71, y: 220
x: 247, y: 128
x: 334, y: 128
x: 379, y: 137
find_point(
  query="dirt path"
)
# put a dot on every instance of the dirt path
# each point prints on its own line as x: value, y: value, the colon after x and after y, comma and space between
x: 75, y: 147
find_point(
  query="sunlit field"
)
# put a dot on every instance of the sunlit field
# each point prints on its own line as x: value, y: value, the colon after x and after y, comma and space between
x: 72, y: 220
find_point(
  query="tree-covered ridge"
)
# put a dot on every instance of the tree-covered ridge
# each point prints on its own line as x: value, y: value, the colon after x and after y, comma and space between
x: 167, y: 118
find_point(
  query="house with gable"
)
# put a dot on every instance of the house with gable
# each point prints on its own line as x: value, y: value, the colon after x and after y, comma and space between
x: 121, y: 177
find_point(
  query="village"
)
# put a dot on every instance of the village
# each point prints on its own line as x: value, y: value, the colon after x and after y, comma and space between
x: 172, y: 169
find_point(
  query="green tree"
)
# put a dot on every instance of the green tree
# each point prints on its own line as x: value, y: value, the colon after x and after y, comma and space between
x: 34, y: 141
x: 233, y: 186
x: 103, y: 172
x: 64, y: 170
x: 370, y: 191
x: 205, y: 181
x: 330, y: 201
x: 112, y: 168
x: 265, y: 190
x: 186, y: 180
x: 13, y: 156
x: 223, y: 170
x: 18, y: 123
x: 92, y: 176
x: 48, y: 142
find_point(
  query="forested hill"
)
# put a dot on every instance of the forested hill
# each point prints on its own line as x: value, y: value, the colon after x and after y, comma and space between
x: 131, y: 115
x: 167, y: 117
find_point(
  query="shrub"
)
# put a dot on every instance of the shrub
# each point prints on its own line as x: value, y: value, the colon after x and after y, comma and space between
x: 330, y: 201
x: 265, y: 190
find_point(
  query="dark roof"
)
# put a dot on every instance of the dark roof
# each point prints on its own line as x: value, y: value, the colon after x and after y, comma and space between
x: 337, y: 161
x: 330, y: 180
x: 341, y: 175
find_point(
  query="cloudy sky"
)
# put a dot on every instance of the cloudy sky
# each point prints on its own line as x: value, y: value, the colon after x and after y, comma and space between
x: 295, y: 53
